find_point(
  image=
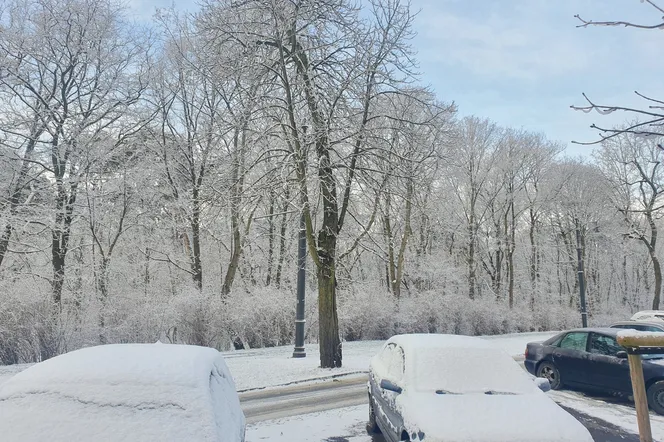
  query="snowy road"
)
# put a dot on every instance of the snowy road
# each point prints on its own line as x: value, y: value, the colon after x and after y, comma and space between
x: 340, y: 408
x: 302, y: 399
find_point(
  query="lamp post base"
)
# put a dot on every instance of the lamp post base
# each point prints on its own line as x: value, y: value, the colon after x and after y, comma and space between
x: 299, y: 352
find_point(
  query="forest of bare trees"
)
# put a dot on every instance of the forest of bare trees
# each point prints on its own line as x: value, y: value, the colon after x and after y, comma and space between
x: 152, y: 180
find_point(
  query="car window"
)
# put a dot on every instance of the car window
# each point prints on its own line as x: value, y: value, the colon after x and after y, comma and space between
x: 575, y: 341
x: 651, y: 328
x: 648, y: 328
x: 640, y: 327
x: 386, y: 357
x: 604, y: 345
x: 396, y: 366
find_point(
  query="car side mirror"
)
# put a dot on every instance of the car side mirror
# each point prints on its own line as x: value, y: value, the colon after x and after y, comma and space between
x: 622, y: 354
x: 543, y: 384
x: 390, y: 386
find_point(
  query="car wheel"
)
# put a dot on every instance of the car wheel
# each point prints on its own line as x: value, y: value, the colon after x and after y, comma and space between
x: 549, y: 371
x: 656, y: 397
x: 373, y: 425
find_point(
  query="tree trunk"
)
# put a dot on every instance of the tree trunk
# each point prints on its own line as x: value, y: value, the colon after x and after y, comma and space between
x: 404, y: 241
x: 329, y: 342
x: 471, y: 255
x: 60, y: 237
x: 239, y: 142
x: 510, y: 255
x: 391, y: 276
x: 21, y: 181
x: 282, y: 241
x: 328, y: 325
x: 235, y: 259
x: 270, y: 236
x: 658, y: 280
x: 196, y: 266
x: 533, y: 251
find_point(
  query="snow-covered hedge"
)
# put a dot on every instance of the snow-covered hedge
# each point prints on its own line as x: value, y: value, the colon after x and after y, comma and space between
x: 374, y: 313
x: 261, y: 317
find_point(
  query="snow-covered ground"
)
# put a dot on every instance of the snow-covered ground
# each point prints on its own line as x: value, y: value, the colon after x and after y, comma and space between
x: 270, y: 367
x: 619, y: 413
x: 347, y: 423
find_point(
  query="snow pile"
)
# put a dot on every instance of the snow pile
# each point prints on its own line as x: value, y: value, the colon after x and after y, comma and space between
x: 157, y: 392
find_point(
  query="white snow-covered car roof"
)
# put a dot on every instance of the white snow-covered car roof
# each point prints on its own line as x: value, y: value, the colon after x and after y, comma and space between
x: 124, y: 392
x: 648, y: 315
x: 457, y: 364
x: 433, y: 340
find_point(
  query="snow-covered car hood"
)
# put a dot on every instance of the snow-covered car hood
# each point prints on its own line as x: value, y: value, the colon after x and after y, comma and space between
x: 479, y: 417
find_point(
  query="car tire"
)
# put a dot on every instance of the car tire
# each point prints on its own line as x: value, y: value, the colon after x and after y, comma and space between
x: 548, y: 370
x: 655, y: 396
x: 373, y: 425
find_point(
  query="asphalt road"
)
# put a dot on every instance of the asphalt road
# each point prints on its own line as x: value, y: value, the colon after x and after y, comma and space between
x: 339, y: 393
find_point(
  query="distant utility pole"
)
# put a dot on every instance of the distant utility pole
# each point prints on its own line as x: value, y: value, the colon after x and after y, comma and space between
x: 299, y: 314
x: 582, y: 279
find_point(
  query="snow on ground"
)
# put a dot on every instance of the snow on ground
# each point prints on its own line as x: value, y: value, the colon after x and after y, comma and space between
x: 270, y: 367
x: 348, y: 423
x: 249, y: 366
x: 620, y: 414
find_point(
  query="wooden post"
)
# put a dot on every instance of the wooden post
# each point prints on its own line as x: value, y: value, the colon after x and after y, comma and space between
x: 632, y: 340
x: 640, y: 398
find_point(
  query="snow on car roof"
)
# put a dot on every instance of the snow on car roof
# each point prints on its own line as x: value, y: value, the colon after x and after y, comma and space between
x: 434, y: 340
x: 138, y: 363
x: 121, y: 392
x: 458, y: 364
x: 603, y: 330
x: 657, y: 315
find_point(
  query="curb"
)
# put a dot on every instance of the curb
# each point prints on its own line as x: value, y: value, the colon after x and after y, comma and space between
x: 304, y: 381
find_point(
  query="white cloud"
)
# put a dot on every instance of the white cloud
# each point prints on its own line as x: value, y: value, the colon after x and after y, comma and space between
x: 521, y: 41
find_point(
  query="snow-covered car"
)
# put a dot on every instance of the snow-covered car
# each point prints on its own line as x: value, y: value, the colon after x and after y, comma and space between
x: 431, y: 387
x: 124, y: 392
x: 648, y: 315
x: 640, y: 325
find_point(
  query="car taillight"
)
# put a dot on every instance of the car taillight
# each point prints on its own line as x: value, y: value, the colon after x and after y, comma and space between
x: 525, y: 354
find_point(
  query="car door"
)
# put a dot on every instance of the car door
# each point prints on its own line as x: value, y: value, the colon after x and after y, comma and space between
x: 572, y: 358
x: 390, y: 367
x: 607, y: 371
x: 384, y: 400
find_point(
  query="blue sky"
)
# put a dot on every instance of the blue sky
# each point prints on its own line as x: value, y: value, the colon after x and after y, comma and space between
x: 522, y: 63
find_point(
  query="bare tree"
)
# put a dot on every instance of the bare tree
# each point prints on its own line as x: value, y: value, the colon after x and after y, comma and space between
x: 632, y: 165
x: 331, y: 66
x: 474, y: 157
x: 651, y: 116
x: 74, y: 68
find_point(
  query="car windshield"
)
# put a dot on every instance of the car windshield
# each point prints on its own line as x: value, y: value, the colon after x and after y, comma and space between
x: 466, y: 371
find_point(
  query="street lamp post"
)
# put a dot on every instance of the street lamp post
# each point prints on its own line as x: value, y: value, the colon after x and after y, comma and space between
x: 299, y: 314
x: 582, y: 279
